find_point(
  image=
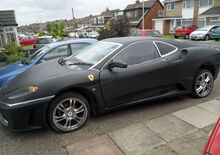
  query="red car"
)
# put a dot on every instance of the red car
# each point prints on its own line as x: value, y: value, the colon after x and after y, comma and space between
x: 184, y: 31
x: 147, y: 33
x: 213, y: 145
x: 28, y: 40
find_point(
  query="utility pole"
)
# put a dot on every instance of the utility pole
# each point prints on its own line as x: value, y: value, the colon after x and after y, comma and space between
x: 73, y: 14
x: 196, y: 12
x: 143, y: 15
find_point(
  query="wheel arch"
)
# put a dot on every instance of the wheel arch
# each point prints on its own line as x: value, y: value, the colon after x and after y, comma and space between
x: 85, y: 93
x: 209, y: 66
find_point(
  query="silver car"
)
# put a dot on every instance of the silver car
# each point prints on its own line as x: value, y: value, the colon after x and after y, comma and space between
x: 42, y: 41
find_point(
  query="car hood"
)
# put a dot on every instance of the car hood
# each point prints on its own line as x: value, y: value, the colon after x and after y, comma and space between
x: 10, y: 71
x: 41, y: 72
x: 199, y: 32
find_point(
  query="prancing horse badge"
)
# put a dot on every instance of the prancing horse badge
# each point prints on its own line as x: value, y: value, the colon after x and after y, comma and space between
x: 91, y: 77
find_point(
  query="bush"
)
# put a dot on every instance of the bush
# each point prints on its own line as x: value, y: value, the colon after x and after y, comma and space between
x: 12, y: 53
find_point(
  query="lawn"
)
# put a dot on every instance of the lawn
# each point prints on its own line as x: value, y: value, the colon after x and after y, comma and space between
x: 26, y: 47
x: 169, y: 36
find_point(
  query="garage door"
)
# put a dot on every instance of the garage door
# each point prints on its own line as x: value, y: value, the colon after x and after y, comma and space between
x: 159, y: 26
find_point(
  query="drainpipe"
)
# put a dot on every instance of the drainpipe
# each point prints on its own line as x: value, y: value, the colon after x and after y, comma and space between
x: 143, y: 16
x: 196, y: 12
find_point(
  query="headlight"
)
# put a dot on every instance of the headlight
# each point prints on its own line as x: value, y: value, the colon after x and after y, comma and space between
x: 23, y: 91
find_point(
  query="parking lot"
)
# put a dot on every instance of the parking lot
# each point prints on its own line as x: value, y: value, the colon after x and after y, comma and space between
x: 45, y: 141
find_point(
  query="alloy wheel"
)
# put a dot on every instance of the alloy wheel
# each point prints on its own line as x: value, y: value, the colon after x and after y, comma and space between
x: 70, y: 114
x: 204, y: 84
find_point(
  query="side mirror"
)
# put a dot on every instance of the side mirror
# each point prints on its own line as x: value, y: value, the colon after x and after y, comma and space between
x: 117, y: 65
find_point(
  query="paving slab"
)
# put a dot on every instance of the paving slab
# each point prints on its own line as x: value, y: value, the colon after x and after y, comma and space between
x: 100, y: 145
x: 209, y: 128
x: 161, y: 150
x: 136, y: 139
x: 196, y: 116
x: 170, y: 127
x: 192, y: 144
x: 212, y: 106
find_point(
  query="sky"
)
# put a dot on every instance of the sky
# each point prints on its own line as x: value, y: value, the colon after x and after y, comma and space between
x: 33, y: 11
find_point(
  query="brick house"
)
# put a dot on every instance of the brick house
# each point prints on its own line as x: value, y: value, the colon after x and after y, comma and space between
x: 180, y: 12
x: 134, y: 13
x: 8, y: 27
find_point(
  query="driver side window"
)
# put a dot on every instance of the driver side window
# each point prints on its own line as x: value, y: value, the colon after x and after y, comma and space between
x: 58, y: 52
x: 137, y: 53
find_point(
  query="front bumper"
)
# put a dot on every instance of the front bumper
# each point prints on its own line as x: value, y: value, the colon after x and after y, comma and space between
x: 25, y: 115
x: 196, y: 37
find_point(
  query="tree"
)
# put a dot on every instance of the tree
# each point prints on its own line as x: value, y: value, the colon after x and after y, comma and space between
x: 49, y: 28
x: 114, y: 28
x: 57, y: 31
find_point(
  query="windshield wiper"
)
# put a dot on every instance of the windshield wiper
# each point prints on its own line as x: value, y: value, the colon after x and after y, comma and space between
x: 62, y: 61
x: 80, y: 63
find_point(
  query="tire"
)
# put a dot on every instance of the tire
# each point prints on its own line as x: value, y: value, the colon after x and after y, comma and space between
x: 202, y: 87
x: 68, y: 112
x: 217, y: 39
x: 187, y: 36
x: 206, y: 38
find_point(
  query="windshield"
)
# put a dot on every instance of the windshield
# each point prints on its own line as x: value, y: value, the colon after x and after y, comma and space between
x: 208, y: 28
x: 94, y: 53
x: 44, y: 41
x: 29, y: 59
x: 154, y: 34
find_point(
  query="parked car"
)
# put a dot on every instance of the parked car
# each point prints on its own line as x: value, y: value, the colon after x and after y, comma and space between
x: 184, y: 31
x: 73, y: 35
x: 104, y: 76
x: 42, y: 41
x: 92, y: 34
x: 215, y: 34
x: 204, y: 33
x: 46, y: 53
x: 147, y: 33
x: 213, y: 146
x: 28, y: 40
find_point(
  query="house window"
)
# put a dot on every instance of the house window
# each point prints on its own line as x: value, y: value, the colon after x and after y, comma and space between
x: 188, y: 3
x: 132, y: 14
x: 160, y: 13
x: 170, y: 6
x: 215, y: 21
x: 187, y: 21
x: 204, y: 3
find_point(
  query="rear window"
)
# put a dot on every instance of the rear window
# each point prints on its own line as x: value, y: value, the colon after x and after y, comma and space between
x: 44, y: 41
x: 165, y: 48
x: 154, y: 34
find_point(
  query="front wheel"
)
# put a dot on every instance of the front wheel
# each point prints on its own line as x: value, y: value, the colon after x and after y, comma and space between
x: 203, y: 83
x: 68, y: 112
x: 206, y: 38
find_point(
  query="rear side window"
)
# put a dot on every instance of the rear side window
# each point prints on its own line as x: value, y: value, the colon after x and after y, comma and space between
x: 165, y: 48
x: 138, y: 33
x: 137, y: 53
x: 153, y: 34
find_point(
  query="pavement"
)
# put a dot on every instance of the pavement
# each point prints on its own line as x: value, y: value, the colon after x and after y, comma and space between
x: 175, y: 126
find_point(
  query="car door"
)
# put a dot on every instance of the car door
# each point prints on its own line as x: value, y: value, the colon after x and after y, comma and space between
x: 216, y: 33
x: 143, y: 77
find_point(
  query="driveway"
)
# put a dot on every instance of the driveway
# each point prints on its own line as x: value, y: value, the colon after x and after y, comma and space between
x: 45, y: 140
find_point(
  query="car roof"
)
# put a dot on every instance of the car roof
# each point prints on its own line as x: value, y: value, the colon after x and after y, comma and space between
x: 72, y: 41
x: 128, y: 40
x: 146, y: 30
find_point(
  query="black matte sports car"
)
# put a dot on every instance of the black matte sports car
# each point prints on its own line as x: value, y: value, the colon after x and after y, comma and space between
x: 109, y: 74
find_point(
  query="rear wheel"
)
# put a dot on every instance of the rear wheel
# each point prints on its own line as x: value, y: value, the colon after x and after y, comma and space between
x: 203, y: 83
x: 68, y: 112
x: 176, y: 37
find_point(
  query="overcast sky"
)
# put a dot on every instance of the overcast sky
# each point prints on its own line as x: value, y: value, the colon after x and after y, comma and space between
x: 32, y: 11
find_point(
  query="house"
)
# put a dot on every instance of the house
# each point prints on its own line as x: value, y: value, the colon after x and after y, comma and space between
x: 181, y: 12
x: 134, y: 13
x: 212, y: 16
x: 99, y: 21
x: 8, y: 27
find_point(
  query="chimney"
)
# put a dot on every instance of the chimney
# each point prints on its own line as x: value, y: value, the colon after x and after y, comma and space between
x: 196, y: 12
x: 138, y: 2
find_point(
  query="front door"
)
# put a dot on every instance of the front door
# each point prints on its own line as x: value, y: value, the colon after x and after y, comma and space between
x: 143, y: 77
